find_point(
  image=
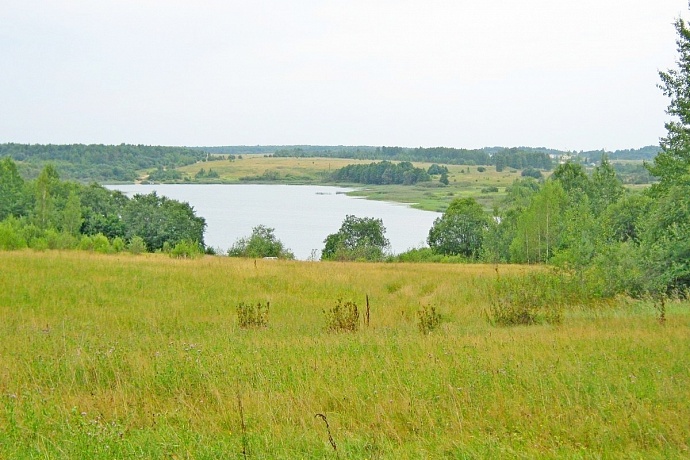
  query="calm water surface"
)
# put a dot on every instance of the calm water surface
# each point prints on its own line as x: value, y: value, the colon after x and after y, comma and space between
x: 302, y: 215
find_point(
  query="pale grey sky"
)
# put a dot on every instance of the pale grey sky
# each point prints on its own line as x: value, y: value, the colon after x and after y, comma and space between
x: 570, y: 75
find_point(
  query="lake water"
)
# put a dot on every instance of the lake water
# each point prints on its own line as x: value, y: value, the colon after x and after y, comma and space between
x: 302, y: 215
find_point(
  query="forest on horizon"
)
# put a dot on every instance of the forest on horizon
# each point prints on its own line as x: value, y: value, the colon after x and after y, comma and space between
x: 123, y: 163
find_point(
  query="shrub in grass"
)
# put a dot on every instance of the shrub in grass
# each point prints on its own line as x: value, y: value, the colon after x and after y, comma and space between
x: 60, y: 240
x: 136, y: 245
x: 101, y: 244
x: 86, y: 243
x: 429, y: 319
x: 118, y: 244
x: 29, y: 232
x: 39, y: 244
x: 186, y: 250
x: 252, y: 316
x: 11, y: 235
x: 344, y: 317
x: 533, y: 299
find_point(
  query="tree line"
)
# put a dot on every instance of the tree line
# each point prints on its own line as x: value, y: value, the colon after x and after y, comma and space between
x: 382, y: 173
x: 518, y: 158
x: 50, y: 213
x: 97, y: 162
x: 432, y: 154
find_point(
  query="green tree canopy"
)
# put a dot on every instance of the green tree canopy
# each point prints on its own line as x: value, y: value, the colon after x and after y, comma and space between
x: 358, y: 238
x: 573, y: 178
x: 538, y: 226
x: 461, y: 229
x: 12, y: 197
x: 159, y: 220
x: 672, y: 164
x: 606, y: 188
x: 665, y: 241
x: 102, y: 211
x: 261, y: 243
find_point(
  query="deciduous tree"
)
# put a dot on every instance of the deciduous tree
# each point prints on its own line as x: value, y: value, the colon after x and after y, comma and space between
x: 672, y: 164
x: 261, y: 243
x: 358, y: 238
x: 461, y: 229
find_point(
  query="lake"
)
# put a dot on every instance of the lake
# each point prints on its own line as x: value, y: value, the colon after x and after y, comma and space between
x: 302, y: 215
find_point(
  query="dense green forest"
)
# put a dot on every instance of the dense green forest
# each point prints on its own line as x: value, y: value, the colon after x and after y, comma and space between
x: 100, y: 163
x: 517, y: 158
x: 49, y: 213
x: 513, y: 157
x: 382, y: 173
x: 644, y: 153
x: 339, y: 151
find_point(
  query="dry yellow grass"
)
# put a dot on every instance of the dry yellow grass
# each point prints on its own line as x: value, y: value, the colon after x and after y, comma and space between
x: 306, y: 169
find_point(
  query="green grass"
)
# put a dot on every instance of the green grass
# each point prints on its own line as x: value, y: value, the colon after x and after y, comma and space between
x: 142, y: 357
x: 284, y: 170
x: 428, y: 196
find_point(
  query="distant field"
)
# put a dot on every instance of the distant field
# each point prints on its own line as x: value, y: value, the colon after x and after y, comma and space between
x: 464, y: 181
x: 436, y: 197
x: 295, y: 170
x: 127, y: 356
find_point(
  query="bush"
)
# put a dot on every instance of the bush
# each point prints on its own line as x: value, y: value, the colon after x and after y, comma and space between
x: 429, y: 319
x: 533, y: 299
x: 39, y: 244
x: 60, y: 240
x: 261, y: 243
x: 251, y: 316
x: 11, y: 237
x: 30, y: 232
x: 118, y: 244
x: 358, y: 254
x: 358, y: 239
x: 426, y: 255
x: 186, y: 250
x: 136, y: 245
x: 531, y: 172
x: 85, y: 243
x: 344, y: 317
x: 101, y: 244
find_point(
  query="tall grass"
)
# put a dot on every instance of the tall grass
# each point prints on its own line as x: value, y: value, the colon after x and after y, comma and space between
x: 121, y: 356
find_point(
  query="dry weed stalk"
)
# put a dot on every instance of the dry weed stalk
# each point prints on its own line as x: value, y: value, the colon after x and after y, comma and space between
x: 243, y: 425
x: 328, y: 429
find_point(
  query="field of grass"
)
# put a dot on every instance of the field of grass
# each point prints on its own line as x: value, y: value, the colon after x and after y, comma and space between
x: 464, y: 181
x: 127, y: 356
x: 260, y: 168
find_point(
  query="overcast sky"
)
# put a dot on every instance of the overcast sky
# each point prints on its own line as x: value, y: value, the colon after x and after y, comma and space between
x: 573, y: 75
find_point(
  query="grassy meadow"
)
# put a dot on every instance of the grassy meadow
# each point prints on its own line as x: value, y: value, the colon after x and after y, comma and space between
x: 464, y: 181
x: 122, y: 356
x: 253, y: 167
